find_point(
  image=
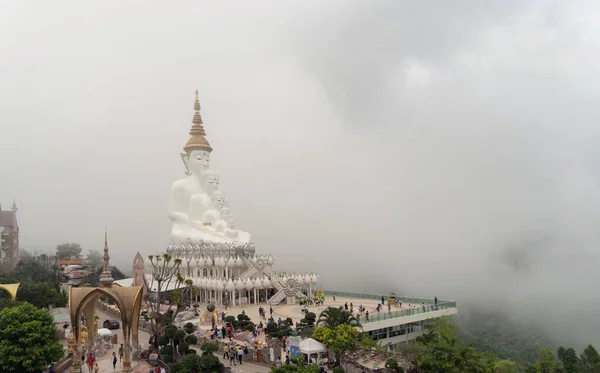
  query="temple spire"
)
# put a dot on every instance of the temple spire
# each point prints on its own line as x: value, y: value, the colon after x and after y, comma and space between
x: 106, y: 278
x: 197, y: 140
x: 14, y: 206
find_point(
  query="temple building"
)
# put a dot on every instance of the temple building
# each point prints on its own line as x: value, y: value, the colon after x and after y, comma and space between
x: 9, y: 238
x: 219, y: 258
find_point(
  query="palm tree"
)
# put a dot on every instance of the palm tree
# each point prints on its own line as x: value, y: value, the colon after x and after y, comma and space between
x: 333, y: 316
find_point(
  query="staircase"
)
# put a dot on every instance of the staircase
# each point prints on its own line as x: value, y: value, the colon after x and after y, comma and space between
x: 277, y: 298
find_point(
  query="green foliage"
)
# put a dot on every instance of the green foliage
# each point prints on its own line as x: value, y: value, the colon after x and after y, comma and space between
x: 496, y: 332
x: 68, y: 250
x: 393, y: 364
x: 192, y: 363
x: 39, y: 286
x: 189, y: 328
x: 230, y: 319
x: 310, y: 318
x: 191, y: 340
x: 209, y: 348
x: 28, y: 339
x: 300, y: 367
x: 338, y: 370
x: 340, y: 339
x: 95, y: 258
x: 545, y: 363
x: 163, y: 340
x: 568, y: 358
x: 183, y: 348
x: 334, y: 316
x: 589, y: 361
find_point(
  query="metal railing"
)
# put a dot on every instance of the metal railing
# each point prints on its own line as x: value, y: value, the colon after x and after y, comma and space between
x: 418, y: 305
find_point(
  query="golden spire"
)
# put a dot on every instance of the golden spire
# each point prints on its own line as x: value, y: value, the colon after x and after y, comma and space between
x: 197, y: 140
x: 106, y: 278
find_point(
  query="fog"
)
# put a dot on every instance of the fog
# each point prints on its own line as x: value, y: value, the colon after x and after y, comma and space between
x: 439, y: 148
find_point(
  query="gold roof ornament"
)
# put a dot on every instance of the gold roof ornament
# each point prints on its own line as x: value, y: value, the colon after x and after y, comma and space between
x: 197, y: 140
x: 11, y: 289
x: 106, y: 279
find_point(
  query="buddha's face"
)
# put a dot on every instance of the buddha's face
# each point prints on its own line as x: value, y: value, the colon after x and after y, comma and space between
x: 198, y: 161
x: 225, y: 213
x: 219, y: 200
x: 231, y: 223
x: 210, y: 181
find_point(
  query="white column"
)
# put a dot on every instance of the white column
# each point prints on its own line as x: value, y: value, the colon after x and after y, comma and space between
x: 255, y: 298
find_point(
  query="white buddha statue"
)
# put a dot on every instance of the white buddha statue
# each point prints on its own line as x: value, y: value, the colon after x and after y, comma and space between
x: 196, y: 202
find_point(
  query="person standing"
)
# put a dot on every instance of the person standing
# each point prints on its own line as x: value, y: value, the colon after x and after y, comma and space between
x: 121, y: 352
x: 114, y: 360
x: 96, y: 368
x: 90, y: 363
x: 232, y: 356
x: 240, y: 355
x: 226, y: 352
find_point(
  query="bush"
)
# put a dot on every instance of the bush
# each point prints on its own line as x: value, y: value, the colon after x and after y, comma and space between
x: 338, y: 370
x: 229, y: 319
x: 183, y: 347
x: 272, y: 327
x: 189, y: 328
x: 393, y: 364
x: 191, y: 340
x: 180, y: 335
x: 163, y: 340
x: 241, y: 317
x: 209, y: 348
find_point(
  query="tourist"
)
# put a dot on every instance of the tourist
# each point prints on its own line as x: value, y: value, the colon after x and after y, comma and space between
x: 389, y: 308
x: 271, y: 310
x: 334, y: 297
x: 52, y: 368
x: 232, y: 356
x: 90, y: 363
x: 96, y: 368
x: 351, y: 307
x: 287, y: 359
x: 346, y: 306
x: 240, y: 354
x: 121, y: 352
x: 226, y: 352
x: 114, y: 360
x: 222, y: 317
x: 435, y: 300
x: 279, y: 322
x: 367, y: 315
x: 382, y: 299
x: 219, y: 334
x: 163, y: 370
x: 278, y: 362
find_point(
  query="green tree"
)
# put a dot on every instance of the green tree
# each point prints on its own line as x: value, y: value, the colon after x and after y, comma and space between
x: 334, y: 316
x: 39, y: 286
x: 545, y: 363
x: 28, y: 339
x: 340, y: 339
x: 68, y: 250
x: 95, y: 258
x: 589, y: 362
x: 568, y: 358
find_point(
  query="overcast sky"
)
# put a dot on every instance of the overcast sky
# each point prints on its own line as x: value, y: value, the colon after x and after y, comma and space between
x: 446, y: 148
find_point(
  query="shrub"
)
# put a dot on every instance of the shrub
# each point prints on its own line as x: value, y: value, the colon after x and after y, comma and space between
x: 229, y: 319
x: 393, y: 364
x: 338, y: 370
x: 191, y: 340
x: 189, y: 328
x: 183, y: 348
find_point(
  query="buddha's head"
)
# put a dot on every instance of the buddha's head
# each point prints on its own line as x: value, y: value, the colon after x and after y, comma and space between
x: 225, y: 213
x: 231, y: 223
x: 219, y: 200
x: 196, y: 161
x: 209, y: 181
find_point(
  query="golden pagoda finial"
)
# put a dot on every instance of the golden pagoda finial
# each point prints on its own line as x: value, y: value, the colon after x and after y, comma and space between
x: 106, y: 278
x: 197, y: 140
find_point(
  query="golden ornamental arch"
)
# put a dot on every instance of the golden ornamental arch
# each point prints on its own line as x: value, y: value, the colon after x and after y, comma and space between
x: 12, y: 289
x: 82, y: 302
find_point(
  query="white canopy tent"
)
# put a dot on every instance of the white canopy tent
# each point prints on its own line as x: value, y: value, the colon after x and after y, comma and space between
x: 311, y: 347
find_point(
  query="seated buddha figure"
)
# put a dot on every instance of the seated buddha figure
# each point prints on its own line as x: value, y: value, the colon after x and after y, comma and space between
x: 196, y: 202
x: 196, y: 158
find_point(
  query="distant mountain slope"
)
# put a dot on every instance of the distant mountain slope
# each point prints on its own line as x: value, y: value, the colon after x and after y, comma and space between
x: 496, y: 332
